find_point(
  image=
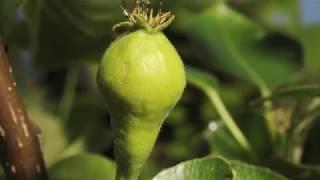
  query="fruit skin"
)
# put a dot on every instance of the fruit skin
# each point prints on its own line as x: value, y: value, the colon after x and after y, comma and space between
x: 142, y: 78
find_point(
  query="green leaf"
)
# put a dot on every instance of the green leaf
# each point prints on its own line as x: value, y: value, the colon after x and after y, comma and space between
x: 217, y: 168
x: 297, y: 18
x: 200, y: 169
x: 245, y: 171
x: 83, y: 167
x: 235, y: 44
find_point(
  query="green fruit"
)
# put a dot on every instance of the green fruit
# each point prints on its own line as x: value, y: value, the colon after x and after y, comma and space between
x: 142, y: 78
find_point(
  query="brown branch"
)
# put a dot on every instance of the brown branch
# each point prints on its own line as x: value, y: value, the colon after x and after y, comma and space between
x: 21, y: 154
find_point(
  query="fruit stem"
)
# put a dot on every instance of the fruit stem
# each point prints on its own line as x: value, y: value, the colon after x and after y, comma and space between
x: 132, y: 144
x: 121, y: 176
x: 228, y: 120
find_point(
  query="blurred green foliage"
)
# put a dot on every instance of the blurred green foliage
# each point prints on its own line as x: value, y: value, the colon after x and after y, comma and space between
x: 261, y: 57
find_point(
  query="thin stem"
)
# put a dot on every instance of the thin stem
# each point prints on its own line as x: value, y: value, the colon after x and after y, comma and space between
x: 21, y: 153
x: 207, y: 84
x: 228, y: 119
x: 265, y: 92
x: 70, y: 86
x: 255, y: 77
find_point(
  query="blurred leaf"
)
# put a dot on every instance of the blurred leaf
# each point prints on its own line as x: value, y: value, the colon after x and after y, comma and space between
x: 52, y: 135
x: 235, y: 45
x: 83, y: 167
x: 88, y: 120
x: 177, y: 116
x: 69, y: 92
x: 293, y: 171
x: 234, y: 95
x: 60, y: 46
x: 189, y: 5
x: 293, y: 93
x: 297, y: 18
x: 75, y: 148
x: 18, y: 37
x: 245, y: 171
x: 222, y: 143
x: 206, y: 83
x: 33, y: 12
x: 200, y: 78
x: 179, y: 149
x: 201, y: 169
x: 7, y: 9
x: 254, y: 127
x: 33, y: 9
x: 312, y: 145
x: 92, y: 17
x: 255, y: 130
x: 64, y: 32
x: 2, y: 174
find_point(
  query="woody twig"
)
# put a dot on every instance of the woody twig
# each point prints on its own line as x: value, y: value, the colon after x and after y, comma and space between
x: 21, y: 154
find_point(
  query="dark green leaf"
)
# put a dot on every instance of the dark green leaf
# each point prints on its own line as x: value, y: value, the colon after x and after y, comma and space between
x: 59, y: 46
x: 221, y: 142
x: 2, y: 175
x: 297, y: 18
x: 293, y: 171
x: 88, y: 120
x: 255, y: 130
x: 92, y: 17
x: 7, y: 9
x: 83, y: 167
x: 254, y: 127
x: 234, y: 43
x: 64, y: 32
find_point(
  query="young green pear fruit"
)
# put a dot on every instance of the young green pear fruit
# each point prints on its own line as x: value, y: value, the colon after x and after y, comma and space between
x: 141, y: 77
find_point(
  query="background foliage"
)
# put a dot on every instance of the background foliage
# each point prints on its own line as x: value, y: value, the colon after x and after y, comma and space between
x: 253, y: 62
